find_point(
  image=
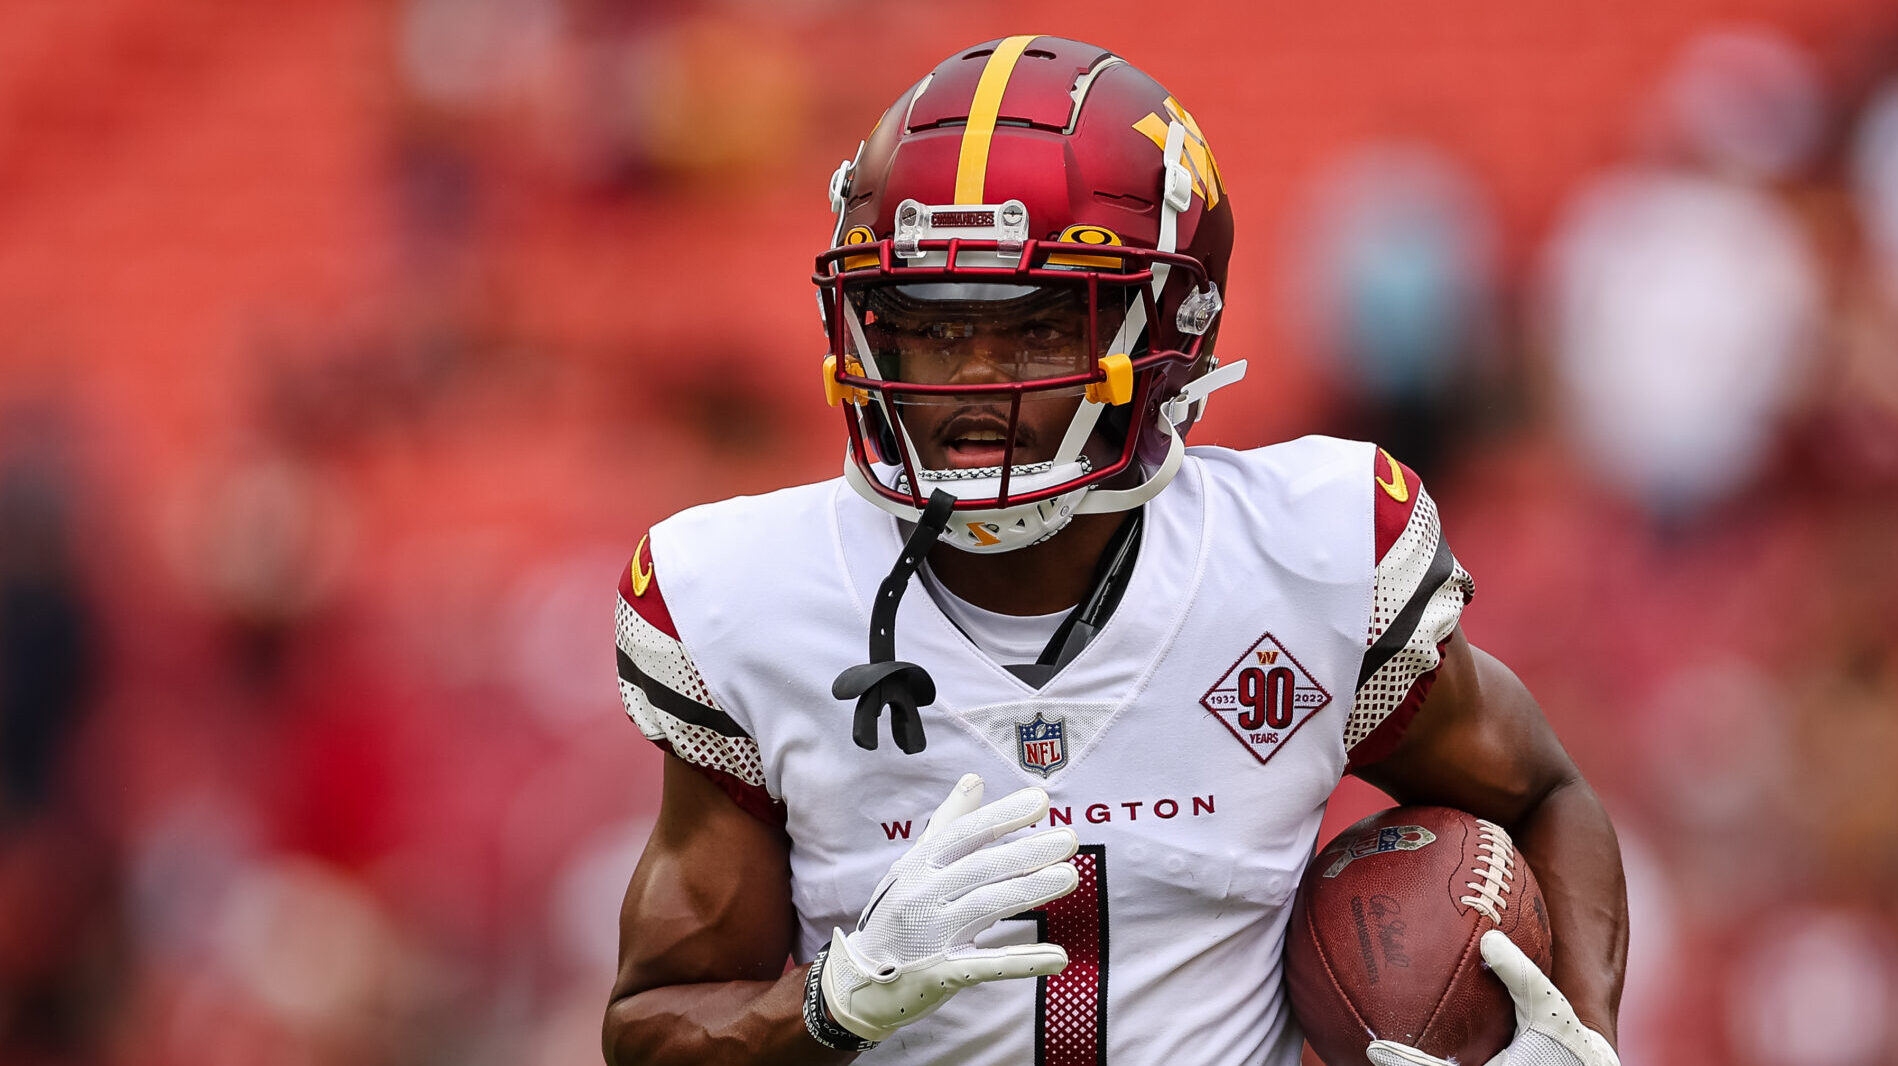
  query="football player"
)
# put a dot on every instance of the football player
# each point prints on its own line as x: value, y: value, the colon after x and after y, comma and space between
x: 1164, y: 659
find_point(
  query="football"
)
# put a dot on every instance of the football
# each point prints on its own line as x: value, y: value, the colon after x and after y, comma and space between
x: 1383, y: 941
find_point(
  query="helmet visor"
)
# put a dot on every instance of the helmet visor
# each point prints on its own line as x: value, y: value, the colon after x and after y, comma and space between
x: 941, y: 333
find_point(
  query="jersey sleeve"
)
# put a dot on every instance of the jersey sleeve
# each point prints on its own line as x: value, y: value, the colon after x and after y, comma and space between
x: 668, y: 699
x: 1419, y: 591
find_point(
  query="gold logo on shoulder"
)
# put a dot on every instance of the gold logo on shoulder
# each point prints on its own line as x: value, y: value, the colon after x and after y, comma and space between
x: 1395, y: 488
x: 641, y: 578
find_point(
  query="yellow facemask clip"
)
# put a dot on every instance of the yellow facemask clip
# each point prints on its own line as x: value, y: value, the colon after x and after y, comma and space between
x: 1119, y: 386
x: 836, y: 392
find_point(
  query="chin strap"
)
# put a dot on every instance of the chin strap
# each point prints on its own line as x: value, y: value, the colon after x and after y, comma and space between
x: 883, y: 682
x: 1172, y: 414
x: 1179, y: 410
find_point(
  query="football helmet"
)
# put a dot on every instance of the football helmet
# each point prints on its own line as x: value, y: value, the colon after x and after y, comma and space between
x: 1035, y: 226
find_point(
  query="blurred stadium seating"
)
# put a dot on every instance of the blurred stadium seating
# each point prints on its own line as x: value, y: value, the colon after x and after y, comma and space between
x: 350, y: 346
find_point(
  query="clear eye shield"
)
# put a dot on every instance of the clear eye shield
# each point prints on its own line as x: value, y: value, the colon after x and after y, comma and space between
x: 950, y: 333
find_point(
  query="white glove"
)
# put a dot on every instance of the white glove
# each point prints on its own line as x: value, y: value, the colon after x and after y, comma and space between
x: 914, y: 945
x: 1547, y: 1031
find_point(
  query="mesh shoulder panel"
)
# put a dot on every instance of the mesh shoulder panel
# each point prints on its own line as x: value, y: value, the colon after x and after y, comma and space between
x: 667, y: 698
x: 1420, y: 591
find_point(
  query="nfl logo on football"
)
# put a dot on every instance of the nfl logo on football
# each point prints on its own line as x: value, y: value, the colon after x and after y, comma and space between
x: 1387, y: 839
x: 1042, y: 744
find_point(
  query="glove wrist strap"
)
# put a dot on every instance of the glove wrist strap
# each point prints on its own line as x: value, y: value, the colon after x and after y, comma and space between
x: 821, y: 1028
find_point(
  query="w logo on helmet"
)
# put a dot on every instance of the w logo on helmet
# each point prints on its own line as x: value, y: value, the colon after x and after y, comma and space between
x: 1199, y: 156
x: 977, y: 168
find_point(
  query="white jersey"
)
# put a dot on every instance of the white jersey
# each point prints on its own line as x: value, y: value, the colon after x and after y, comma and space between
x: 1283, y: 615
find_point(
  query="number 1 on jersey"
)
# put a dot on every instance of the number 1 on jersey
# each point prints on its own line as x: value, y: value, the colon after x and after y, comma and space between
x: 1071, y: 1006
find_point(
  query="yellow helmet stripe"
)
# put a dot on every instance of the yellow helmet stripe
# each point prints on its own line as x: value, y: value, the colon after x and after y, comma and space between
x: 973, y: 166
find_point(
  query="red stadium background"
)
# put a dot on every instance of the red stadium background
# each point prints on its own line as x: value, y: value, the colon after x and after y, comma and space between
x: 349, y: 347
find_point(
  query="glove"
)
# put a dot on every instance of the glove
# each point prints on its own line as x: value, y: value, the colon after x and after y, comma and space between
x: 914, y: 945
x: 1547, y: 1031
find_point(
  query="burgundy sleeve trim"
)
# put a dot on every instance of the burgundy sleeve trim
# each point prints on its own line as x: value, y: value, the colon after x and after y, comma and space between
x: 1398, y: 488
x: 639, y: 587
x: 1383, y: 737
x: 752, y: 799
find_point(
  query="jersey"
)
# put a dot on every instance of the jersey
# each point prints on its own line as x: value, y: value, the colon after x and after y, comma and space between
x: 1283, y: 617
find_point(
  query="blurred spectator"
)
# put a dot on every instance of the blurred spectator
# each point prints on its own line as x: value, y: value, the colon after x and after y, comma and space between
x: 1715, y: 741
x: 1682, y: 299
x: 1394, y: 280
x: 1855, y: 426
x: 1814, y: 986
x: 261, y: 538
x: 58, y: 937
x: 1874, y: 179
x: 1847, y: 735
x: 48, y: 654
x: 471, y: 54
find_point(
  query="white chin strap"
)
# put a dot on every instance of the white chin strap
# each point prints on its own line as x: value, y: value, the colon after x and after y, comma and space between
x: 985, y: 530
x: 1175, y: 415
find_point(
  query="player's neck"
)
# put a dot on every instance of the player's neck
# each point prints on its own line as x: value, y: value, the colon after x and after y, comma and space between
x: 1042, y: 579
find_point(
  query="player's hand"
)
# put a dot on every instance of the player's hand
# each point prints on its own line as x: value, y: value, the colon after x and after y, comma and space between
x: 1547, y: 1031
x: 914, y: 945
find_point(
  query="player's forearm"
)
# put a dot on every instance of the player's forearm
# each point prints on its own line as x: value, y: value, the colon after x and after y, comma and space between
x: 728, y: 1023
x: 1571, y: 847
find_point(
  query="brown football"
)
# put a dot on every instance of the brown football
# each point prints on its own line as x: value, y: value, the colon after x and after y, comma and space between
x: 1383, y: 942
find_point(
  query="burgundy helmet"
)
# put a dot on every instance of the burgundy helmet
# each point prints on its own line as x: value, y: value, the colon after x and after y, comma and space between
x: 1046, y: 192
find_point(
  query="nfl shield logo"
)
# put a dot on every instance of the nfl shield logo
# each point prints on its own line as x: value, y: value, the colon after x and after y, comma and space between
x: 1386, y: 839
x: 1042, y: 745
